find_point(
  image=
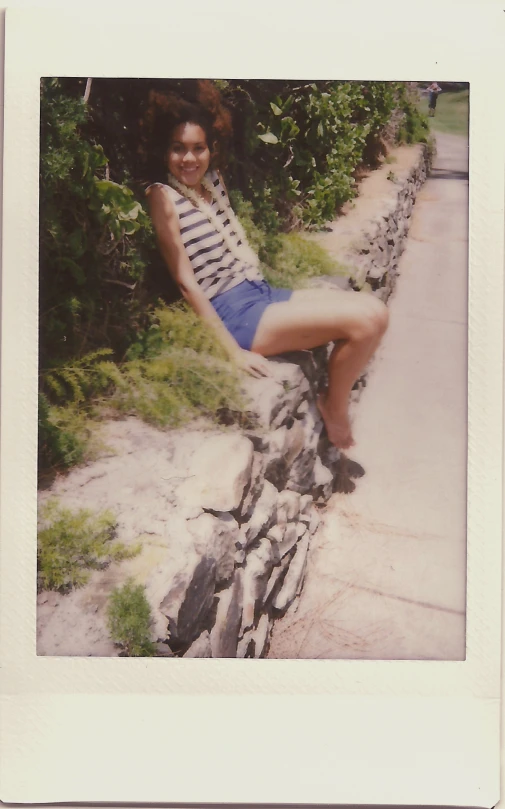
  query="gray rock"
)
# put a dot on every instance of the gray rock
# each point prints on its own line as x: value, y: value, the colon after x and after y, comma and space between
x: 274, y: 397
x: 188, y: 602
x: 275, y: 581
x: 276, y: 533
x: 314, y: 521
x: 245, y: 646
x: 224, y: 633
x: 259, y: 564
x: 255, y: 486
x: 294, y: 577
x: 200, y: 647
x: 217, y: 473
x: 289, y: 538
x: 288, y: 506
x: 260, y: 635
x: 263, y: 514
x: 217, y: 538
x: 254, y: 641
x: 323, y: 480
x: 163, y: 650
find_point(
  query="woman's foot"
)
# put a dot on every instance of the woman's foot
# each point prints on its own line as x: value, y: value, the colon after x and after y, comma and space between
x: 338, y: 427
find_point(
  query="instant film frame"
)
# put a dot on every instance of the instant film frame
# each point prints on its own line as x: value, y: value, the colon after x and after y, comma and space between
x: 267, y: 731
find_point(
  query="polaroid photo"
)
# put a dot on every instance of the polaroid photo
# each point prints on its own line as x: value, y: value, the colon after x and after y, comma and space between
x: 252, y: 378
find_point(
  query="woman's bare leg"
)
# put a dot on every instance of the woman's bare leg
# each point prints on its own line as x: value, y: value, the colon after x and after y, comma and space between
x: 355, y: 321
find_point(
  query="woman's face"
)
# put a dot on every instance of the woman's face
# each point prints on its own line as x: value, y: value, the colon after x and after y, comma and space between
x: 188, y: 155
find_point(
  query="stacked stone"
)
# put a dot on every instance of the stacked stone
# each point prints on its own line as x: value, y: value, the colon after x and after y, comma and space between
x: 250, y: 505
x: 375, y: 256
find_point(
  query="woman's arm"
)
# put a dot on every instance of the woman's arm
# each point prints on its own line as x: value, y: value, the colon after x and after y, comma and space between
x: 166, y: 226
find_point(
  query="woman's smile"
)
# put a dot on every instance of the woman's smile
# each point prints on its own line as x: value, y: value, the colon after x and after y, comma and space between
x: 188, y: 155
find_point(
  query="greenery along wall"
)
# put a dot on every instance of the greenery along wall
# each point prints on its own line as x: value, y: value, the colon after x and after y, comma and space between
x: 296, y: 152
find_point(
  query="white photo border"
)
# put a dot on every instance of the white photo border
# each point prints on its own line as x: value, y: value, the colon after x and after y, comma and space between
x: 253, y: 731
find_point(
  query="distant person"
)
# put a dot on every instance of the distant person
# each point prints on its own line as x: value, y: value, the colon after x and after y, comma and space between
x: 433, y: 90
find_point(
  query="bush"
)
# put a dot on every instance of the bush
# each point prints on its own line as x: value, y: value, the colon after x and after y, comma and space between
x: 71, y: 544
x: 302, y: 143
x: 129, y: 620
x: 93, y: 235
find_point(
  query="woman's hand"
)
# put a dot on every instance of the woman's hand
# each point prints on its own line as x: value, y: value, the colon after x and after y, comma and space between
x: 254, y: 364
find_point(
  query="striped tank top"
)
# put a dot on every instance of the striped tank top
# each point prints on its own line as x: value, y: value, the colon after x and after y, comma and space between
x: 216, y: 268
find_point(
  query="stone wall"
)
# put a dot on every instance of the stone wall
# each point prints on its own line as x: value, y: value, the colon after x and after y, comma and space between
x: 226, y: 517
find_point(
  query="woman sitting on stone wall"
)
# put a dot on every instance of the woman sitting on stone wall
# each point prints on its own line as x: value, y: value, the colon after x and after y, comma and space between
x: 207, y: 253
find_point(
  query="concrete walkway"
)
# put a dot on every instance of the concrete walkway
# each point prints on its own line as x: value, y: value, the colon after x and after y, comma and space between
x: 386, y: 574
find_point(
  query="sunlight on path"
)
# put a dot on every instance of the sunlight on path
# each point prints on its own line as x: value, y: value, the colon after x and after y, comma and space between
x: 386, y: 575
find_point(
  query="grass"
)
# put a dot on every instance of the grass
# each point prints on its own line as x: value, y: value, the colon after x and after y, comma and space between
x: 451, y: 114
x: 129, y: 620
x: 70, y: 544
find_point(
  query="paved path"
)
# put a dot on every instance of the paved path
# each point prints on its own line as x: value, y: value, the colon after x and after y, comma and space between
x: 386, y: 574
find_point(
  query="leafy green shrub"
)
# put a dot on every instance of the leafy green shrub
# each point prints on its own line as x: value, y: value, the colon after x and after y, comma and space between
x: 129, y: 620
x: 92, y: 236
x: 288, y: 259
x: 177, y: 370
x: 71, y: 544
x: 63, y: 435
x: 303, y: 142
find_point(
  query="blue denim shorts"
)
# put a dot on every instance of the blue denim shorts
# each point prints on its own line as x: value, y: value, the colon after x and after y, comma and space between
x: 241, y: 308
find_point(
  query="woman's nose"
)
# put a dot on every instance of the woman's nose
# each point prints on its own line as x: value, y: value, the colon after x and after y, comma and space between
x: 188, y: 157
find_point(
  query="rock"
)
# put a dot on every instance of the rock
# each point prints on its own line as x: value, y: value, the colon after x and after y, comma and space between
x: 323, y: 480
x: 255, y: 487
x: 301, y: 475
x: 245, y: 646
x: 254, y: 642
x: 276, y: 533
x: 216, y: 538
x: 314, y: 522
x: 304, y: 360
x: 275, y: 581
x: 188, y: 602
x: 294, y: 577
x: 163, y: 650
x: 263, y: 514
x: 258, y: 567
x: 288, y: 506
x: 294, y: 442
x: 274, y: 397
x: 224, y: 633
x: 260, y: 635
x: 306, y: 501
x: 289, y: 538
x: 200, y: 647
x: 217, y: 473
x: 330, y: 281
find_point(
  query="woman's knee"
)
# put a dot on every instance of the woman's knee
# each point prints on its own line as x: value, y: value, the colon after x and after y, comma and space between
x: 372, y: 319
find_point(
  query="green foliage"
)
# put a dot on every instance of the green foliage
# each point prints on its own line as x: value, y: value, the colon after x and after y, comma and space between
x: 81, y: 379
x: 298, y: 260
x: 302, y: 144
x: 288, y: 259
x: 452, y: 112
x: 129, y: 620
x: 71, y: 544
x: 63, y: 435
x: 177, y: 370
x: 92, y: 236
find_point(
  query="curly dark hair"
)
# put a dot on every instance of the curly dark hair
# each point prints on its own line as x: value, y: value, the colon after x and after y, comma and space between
x: 196, y: 103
